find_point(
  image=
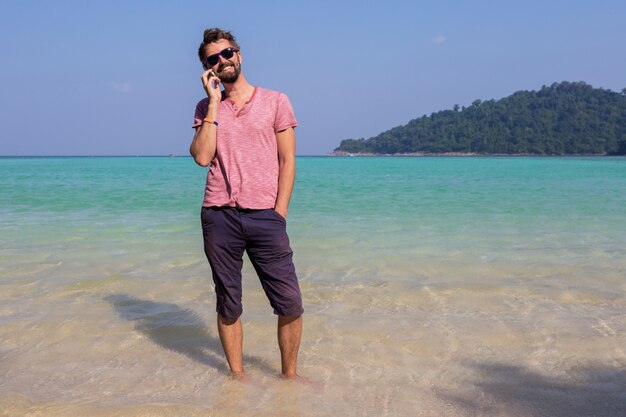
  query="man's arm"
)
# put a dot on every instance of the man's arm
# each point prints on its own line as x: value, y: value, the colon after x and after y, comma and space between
x: 286, y: 140
x: 204, y: 141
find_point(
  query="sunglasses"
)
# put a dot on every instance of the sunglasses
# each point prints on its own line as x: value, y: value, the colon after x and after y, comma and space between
x: 215, y: 58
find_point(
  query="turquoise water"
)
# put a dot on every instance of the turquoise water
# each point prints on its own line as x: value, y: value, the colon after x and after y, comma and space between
x: 437, y: 277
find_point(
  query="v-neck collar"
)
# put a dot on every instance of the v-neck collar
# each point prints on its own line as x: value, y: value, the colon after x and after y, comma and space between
x: 246, y: 106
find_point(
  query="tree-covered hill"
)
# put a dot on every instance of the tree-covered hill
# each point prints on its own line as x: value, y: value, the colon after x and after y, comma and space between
x: 563, y: 119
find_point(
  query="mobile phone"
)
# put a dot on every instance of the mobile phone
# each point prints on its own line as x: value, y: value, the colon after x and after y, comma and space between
x: 215, y: 82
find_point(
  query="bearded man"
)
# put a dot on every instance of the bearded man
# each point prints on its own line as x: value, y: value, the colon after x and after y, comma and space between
x: 245, y: 134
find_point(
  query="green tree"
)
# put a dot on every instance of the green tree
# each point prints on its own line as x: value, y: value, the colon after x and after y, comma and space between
x: 564, y: 118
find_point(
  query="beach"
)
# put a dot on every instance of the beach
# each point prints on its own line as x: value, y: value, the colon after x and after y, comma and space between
x: 432, y: 286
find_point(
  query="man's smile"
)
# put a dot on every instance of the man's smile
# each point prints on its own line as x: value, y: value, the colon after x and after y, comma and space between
x: 225, y: 67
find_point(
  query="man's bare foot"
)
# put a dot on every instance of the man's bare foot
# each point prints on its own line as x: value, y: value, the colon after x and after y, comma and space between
x: 239, y: 376
x: 302, y: 380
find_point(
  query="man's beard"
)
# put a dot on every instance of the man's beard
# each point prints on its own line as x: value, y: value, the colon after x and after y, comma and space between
x: 232, y: 76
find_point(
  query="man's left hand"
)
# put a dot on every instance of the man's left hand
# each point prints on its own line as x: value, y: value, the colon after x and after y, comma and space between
x: 283, y: 213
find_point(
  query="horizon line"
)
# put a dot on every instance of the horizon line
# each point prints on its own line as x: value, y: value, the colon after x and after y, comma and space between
x: 119, y: 156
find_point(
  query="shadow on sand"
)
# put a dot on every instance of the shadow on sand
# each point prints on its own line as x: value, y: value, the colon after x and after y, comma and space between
x: 179, y: 330
x: 595, y: 390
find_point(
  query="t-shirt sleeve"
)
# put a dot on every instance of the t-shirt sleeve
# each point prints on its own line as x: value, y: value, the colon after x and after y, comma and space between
x: 201, y: 110
x: 285, y: 116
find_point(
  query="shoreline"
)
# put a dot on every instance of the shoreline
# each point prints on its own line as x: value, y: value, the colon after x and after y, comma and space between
x: 465, y: 154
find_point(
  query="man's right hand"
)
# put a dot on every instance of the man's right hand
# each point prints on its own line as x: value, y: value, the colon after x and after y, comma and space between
x: 211, y: 84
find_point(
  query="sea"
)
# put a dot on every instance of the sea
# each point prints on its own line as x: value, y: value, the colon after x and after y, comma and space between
x: 433, y: 286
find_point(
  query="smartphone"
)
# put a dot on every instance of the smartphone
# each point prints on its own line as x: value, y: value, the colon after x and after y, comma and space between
x: 217, y: 82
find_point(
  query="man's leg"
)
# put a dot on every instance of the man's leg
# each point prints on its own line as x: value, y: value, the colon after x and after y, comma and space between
x: 269, y: 251
x: 224, y: 247
x: 289, y: 334
x: 231, y: 336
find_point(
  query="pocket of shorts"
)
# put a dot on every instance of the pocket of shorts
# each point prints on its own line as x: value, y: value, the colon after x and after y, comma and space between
x: 205, y: 214
x: 277, y: 214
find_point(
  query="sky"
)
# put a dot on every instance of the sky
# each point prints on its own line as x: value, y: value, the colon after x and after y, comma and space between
x: 123, y: 78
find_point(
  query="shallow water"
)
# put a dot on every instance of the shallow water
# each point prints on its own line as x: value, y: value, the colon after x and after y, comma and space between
x: 432, y: 287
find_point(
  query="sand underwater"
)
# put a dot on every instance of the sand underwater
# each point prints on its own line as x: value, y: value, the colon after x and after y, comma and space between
x: 432, y: 287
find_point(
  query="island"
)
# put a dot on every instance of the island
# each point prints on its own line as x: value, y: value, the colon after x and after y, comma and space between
x: 567, y: 118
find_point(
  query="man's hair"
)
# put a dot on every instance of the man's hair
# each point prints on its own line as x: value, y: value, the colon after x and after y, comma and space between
x: 213, y: 35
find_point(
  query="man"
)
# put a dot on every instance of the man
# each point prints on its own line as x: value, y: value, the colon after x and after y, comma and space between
x: 246, y: 135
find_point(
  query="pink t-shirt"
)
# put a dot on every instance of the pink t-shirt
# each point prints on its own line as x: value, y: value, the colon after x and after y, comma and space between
x: 244, y: 172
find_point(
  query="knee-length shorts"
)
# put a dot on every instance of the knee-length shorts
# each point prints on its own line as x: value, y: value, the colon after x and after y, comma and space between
x: 228, y: 232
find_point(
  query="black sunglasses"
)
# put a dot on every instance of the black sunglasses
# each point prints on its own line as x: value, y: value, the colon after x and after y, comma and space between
x: 215, y: 58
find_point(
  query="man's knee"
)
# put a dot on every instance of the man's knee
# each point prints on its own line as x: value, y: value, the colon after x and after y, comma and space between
x: 229, y: 313
x: 228, y: 321
x: 290, y: 306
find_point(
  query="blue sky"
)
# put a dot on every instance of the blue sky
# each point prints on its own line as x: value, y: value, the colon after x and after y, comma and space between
x: 122, y: 77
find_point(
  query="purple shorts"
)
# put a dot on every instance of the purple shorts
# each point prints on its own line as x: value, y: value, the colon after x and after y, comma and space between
x: 228, y: 231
